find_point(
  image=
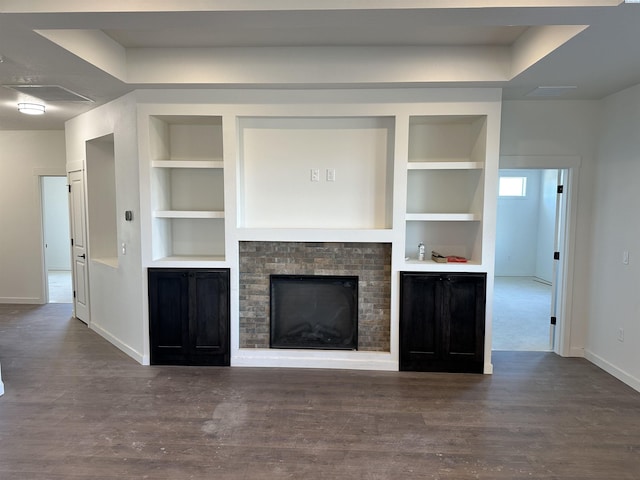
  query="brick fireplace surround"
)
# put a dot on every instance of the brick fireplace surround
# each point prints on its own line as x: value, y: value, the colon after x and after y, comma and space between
x: 371, y: 262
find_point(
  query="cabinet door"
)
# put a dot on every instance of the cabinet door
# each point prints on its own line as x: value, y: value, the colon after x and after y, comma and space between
x: 168, y: 316
x: 189, y: 316
x: 209, y: 317
x: 420, y: 325
x: 463, y: 321
x: 442, y: 322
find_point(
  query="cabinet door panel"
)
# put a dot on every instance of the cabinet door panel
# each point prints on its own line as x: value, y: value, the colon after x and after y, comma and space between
x: 210, y: 307
x: 419, y: 325
x: 168, y: 309
x: 461, y: 316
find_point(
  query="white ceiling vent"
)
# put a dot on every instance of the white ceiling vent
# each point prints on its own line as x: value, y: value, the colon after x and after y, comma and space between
x: 551, y: 91
x: 50, y: 93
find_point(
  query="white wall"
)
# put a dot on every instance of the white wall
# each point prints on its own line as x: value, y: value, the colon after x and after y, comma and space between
x: 24, y: 155
x: 517, y: 228
x: 614, y: 301
x: 116, y: 291
x: 556, y: 128
x: 55, y: 206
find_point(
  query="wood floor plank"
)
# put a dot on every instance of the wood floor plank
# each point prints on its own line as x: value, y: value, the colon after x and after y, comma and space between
x: 75, y: 407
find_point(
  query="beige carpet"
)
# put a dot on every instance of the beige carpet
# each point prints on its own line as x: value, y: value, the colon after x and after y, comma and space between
x: 60, y: 286
x: 521, y: 314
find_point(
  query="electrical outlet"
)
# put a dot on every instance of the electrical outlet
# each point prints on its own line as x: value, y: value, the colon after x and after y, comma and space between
x: 621, y: 334
x: 315, y: 174
x: 331, y: 174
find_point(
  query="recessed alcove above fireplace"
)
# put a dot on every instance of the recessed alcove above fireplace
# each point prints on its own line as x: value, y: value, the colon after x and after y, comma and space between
x: 369, y: 262
x: 339, y: 170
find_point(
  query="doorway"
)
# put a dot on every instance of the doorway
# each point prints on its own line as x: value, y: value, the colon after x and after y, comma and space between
x: 530, y: 221
x: 56, y: 235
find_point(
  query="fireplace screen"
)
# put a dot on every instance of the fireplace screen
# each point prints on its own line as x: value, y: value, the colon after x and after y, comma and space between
x: 314, y: 311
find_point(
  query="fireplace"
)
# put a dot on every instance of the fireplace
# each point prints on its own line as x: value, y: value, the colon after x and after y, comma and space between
x: 314, y: 312
x: 369, y: 262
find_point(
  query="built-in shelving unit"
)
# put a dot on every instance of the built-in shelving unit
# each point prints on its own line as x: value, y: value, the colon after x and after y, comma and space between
x: 445, y: 187
x: 217, y: 174
x: 187, y: 188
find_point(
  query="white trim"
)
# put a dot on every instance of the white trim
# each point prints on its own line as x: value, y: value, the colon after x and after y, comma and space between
x: 571, y: 164
x: 137, y: 356
x: 75, y: 166
x: 554, y: 162
x: 23, y: 300
x: 1, y: 384
x: 608, y: 367
x: 576, y: 352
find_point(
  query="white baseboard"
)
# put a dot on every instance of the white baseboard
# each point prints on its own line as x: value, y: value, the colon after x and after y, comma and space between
x: 576, y: 352
x: 137, y: 356
x: 22, y: 300
x: 608, y: 367
x: 1, y: 384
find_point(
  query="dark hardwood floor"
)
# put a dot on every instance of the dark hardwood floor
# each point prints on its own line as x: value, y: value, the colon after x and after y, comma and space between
x: 75, y: 407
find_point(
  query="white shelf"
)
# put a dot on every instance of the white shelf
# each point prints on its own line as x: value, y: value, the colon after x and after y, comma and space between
x: 442, y: 217
x: 414, y: 264
x: 445, y: 165
x: 187, y: 214
x: 191, y: 163
x: 196, y: 259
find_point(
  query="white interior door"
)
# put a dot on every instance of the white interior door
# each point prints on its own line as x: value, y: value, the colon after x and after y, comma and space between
x: 559, y: 251
x: 79, y: 248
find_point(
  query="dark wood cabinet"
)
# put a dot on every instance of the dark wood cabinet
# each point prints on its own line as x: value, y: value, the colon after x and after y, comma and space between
x: 442, y: 318
x: 189, y: 316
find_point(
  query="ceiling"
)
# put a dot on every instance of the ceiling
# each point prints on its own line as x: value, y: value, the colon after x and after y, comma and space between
x: 101, y: 51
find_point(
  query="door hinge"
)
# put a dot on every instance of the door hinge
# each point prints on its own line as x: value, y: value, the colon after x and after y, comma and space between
x: 69, y: 188
x: 560, y: 188
x: 74, y: 294
x: 556, y: 255
x: 72, y: 242
x: 553, y: 320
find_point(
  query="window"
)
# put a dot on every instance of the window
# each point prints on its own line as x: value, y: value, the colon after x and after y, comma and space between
x: 512, y: 187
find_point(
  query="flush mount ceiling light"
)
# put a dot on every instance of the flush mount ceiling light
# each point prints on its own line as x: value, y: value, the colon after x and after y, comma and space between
x: 31, y: 108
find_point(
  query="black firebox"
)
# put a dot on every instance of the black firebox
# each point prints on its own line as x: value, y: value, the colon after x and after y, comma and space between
x: 314, y: 311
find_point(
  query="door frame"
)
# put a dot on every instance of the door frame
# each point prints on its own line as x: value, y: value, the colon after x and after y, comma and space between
x: 38, y: 173
x: 571, y: 164
x: 83, y: 174
x: 44, y: 239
